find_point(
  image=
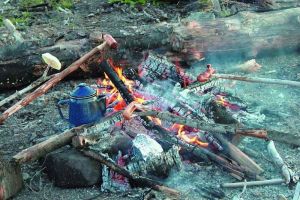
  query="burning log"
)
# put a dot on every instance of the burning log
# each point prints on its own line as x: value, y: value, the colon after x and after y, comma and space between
x: 149, y: 157
x: 237, y: 155
x: 166, y: 135
x: 53, y: 81
x: 139, y: 180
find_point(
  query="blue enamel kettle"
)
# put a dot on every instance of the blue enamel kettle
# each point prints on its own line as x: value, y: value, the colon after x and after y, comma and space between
x: 84, y: 106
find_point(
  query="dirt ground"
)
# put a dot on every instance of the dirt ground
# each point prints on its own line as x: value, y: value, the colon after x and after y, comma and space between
x: 280, y: 105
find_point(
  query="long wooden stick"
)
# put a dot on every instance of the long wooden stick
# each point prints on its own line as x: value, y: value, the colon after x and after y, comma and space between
x: 219, y: 128
x: 278, y: 161
x: 258, y: 80
x: 17, y: 94
x: 52, y: 82
x: 253, y: 183
x: 41, y: 149
x: 140, y: 180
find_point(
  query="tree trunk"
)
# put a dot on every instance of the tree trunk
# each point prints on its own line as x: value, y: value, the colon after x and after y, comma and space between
x: 245, y: 34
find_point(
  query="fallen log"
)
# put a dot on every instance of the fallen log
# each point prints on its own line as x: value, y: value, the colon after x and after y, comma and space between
x: 245, y: 33
x: 139, y: 180
x: 56, y: 79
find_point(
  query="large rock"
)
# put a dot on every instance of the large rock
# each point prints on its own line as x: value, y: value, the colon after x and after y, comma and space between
x: 70, y: 169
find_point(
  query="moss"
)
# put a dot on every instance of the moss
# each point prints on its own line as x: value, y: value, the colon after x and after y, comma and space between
x: 53, y: 3
x: 1, y: 21
x: 61, y: 3
x: 29, y: 3
x: 23, y: 19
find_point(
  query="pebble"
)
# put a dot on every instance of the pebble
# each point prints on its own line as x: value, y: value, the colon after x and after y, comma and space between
x: 25, y: 176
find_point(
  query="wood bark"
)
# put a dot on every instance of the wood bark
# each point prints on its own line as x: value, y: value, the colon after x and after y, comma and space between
x: 11, y: 181
x: 41, y: 149
x: 244, y: 34
x: 140, y: 180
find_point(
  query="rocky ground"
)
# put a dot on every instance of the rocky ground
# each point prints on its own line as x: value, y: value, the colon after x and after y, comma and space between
x: 279, y: 104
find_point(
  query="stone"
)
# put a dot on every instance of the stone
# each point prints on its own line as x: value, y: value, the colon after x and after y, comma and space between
x: 71, y: 169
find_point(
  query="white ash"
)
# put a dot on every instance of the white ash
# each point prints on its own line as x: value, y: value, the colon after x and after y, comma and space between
x: 145, y: 148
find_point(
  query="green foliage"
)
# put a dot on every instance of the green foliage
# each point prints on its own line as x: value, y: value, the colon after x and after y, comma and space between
x: 22, y: 19
x: 133, y: 2
x: 207, y: 4
x: 62, y: 3
x: 53, y: 3
x: 1, y: 21
x: 29, y: 3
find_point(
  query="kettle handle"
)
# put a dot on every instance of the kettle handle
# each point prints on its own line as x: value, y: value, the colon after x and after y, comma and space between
x: 59, y: 104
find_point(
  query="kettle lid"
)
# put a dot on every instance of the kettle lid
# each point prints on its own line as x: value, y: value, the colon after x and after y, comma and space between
x: 83, y: 91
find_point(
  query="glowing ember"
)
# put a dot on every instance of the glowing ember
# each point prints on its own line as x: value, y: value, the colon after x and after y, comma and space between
x: 181, y: 133
x: 115, y: 101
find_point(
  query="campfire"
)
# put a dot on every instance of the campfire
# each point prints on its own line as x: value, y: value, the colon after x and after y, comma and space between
x: 162, y: 116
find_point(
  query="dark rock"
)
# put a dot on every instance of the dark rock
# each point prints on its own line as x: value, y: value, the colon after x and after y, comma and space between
x: 70, y: 169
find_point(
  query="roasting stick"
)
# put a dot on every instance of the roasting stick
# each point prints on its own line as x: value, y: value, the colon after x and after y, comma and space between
x: 142, y: 181
x: 108, y: 42
x: 253, y: 183
x: 257, y: 80
x: 17, y: 94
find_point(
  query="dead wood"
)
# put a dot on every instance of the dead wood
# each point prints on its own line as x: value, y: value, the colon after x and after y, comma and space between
x: 253, y: 183
x: 25, y: 90
x: 246, y: 33
x: 262, y: 134
x: 258, y: 80
x: 219, y: 128
x: 278, y: 161
x: 159, y: 165
x: 11, y: 181
x: 10, y: 26
x: 240, y: 157
x: 41, y: 149
x: 297, y: 192
x: 53, y: 81
x: 139, y: 180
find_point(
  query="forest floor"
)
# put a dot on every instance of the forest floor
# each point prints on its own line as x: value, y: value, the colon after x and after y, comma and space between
x: 280, y: 105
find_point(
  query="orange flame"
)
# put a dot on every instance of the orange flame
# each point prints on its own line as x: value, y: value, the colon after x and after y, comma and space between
x: 114, y: 95
x: 182, y: 135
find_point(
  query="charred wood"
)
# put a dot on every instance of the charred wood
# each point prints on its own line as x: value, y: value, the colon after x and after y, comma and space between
x: 139, y: 180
